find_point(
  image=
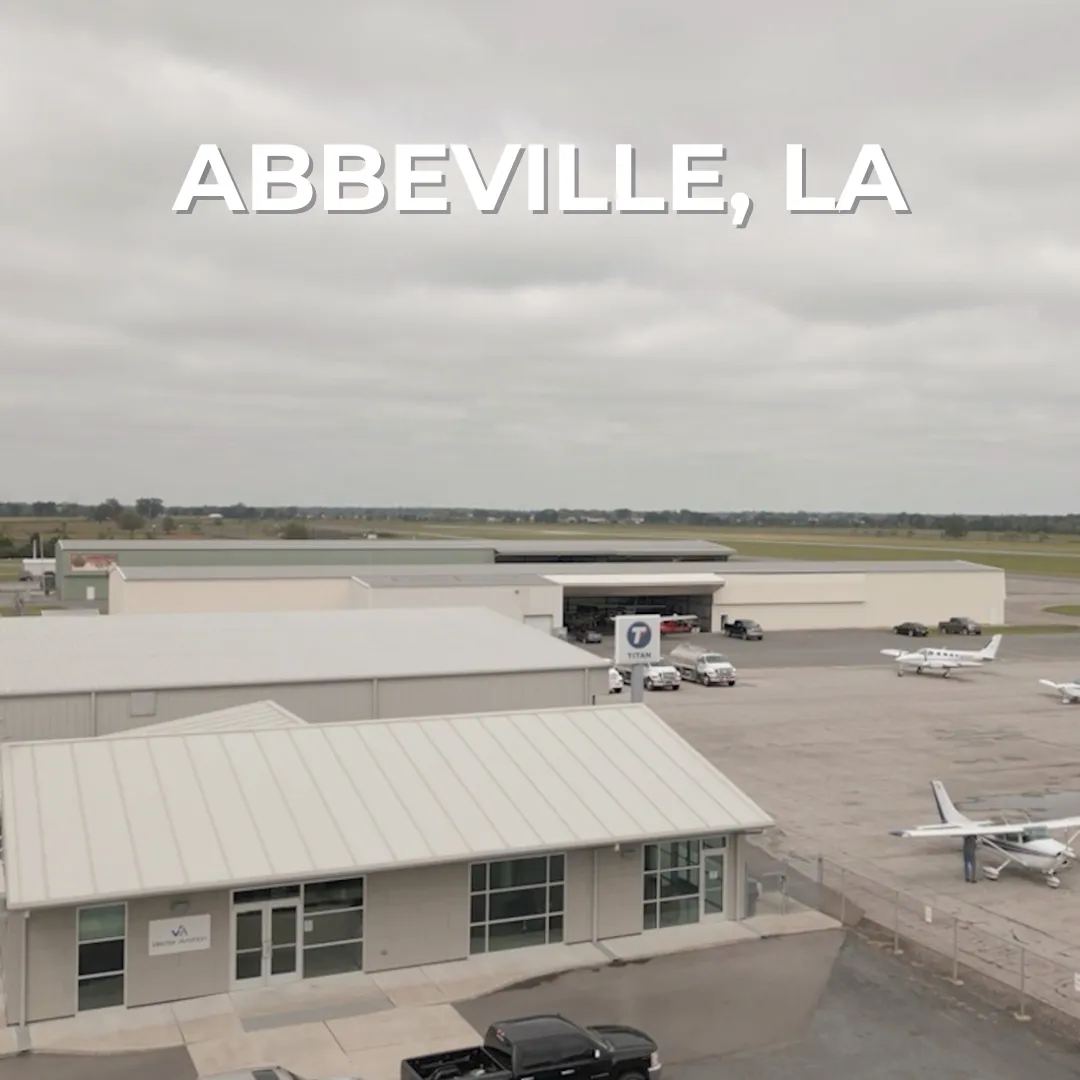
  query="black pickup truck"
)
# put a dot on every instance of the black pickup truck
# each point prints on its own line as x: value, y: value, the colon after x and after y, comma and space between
x: 746, y: 629
x: 959, y: 624
x: 544, y: 1048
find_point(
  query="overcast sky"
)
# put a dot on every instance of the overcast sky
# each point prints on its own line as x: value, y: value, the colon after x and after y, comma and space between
x: 875, y: 361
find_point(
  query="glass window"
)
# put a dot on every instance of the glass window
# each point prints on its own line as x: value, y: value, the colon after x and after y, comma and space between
x: 672, y: 882
x: 516, y: 903
x: 680, y: 912
x: 518, y: 934
x: 333, y: 959
x: 101, y: 957
x: 515, y: 873
x: 334, y: 895
x: 96, y: 923
x: 103, y: 993
x: 100, y: 953
x: 260, y: 896
x: 333, y: 926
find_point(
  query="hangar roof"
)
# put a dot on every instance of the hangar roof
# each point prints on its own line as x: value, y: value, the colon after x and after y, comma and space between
x: 505, y: 572
x: 851, y: 566
x: 542, y: 546
x: 93, y: 820
x: 433, y: 574
x: 160, y: 652
x: 167, y: 544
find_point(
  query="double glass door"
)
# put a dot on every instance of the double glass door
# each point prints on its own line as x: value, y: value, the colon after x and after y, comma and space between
x: 266, y: 942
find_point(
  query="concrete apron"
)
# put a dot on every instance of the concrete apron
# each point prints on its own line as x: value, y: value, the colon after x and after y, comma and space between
x: 365, y: 1024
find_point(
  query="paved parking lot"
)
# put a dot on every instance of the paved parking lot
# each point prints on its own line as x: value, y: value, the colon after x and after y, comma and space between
x: 842, y: 755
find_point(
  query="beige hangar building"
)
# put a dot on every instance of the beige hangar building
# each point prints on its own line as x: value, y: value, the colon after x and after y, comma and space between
x: 70, y: 678
x: 195, y: 860
x: 781, y: 595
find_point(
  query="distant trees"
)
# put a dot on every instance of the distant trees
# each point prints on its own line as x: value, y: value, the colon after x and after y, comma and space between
x: 955, y: 527
x: 168, y: 525
x: 130, y: 521
x: 150, y: 509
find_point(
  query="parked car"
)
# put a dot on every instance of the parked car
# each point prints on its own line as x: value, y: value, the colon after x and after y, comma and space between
x: 614, y: 681
x: 959, y: 624
x: 588, y: 637
x: 746, y: 629
x: 544, y: 1046
x: 911, y: 629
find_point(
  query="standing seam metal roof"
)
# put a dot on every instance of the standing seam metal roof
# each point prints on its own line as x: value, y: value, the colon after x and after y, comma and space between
x: 92, y: 820
x: 258, y: 716
x: 161, y: 652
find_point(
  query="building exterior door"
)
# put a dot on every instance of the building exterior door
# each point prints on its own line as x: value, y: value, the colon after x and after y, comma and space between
x: 266, y: 943
x: 712, y: 885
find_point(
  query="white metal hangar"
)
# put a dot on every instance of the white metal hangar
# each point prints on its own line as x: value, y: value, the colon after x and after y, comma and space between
x: 513, y: 591
x: 150, y: 869
x: 82, y: 566
x: 65, y: 678
x: 781, y: 595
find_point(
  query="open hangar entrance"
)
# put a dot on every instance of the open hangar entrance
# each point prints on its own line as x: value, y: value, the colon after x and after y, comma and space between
x: 592, y: 607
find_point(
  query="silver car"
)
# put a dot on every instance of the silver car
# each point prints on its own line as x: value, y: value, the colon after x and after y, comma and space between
x: 265, y: 1072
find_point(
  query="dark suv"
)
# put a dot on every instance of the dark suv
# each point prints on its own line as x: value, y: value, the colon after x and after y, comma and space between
x: 959, y: 624
x: 746, y: 629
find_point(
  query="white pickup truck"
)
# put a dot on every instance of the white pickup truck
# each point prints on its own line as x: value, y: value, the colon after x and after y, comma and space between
x: 705, y: 666
x: 658, y: 676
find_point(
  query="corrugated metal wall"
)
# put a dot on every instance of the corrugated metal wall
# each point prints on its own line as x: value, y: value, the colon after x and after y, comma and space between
x: 69, y: 716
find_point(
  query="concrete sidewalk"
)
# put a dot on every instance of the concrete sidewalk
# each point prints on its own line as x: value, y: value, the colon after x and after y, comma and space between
x: 365, y: 1024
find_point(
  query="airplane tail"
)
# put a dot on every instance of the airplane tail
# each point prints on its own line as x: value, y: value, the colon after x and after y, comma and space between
x: 946, y: 810
x: 991, y: 648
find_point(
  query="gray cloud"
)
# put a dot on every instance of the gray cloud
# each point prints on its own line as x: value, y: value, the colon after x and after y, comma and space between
x: 921, y: 362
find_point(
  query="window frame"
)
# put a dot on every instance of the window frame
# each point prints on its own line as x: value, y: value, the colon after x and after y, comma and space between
x: 710, y: 846
x: 554, y: 919
x: 315, y: 915
x: 79, y: 943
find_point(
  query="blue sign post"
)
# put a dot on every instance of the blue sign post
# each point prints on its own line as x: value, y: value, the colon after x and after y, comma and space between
x: 637, y: 645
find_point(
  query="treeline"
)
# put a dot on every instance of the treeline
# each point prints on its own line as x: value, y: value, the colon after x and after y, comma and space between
x: 162, y: 518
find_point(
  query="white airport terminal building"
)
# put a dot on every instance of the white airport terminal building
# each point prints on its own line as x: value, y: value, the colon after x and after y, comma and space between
x: 156, y: 866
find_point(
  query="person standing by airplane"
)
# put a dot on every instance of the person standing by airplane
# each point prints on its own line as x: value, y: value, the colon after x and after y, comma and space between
x: 971, y: 870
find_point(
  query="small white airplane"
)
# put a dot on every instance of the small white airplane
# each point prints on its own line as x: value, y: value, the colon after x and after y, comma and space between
x: 943, y: 660
x: 1026, y: 844
x: 1069, y: 691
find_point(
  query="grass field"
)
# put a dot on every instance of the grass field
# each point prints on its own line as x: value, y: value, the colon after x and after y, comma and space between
x: 1053, y: 556
x: 1064, y: 609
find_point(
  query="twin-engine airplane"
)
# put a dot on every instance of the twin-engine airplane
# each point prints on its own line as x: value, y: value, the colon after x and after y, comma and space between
x: 1028, y: 845
x: 943, y: 660
x: 1069, y: 691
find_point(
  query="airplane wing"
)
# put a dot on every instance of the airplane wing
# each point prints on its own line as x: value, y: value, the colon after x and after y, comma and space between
x: 923, y: 831
x: 1052, y: 685
x: 892, y: 652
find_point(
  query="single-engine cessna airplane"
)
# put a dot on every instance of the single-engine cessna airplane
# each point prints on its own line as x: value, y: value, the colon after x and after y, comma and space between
x: 1069, y: 691
x: 1028, y: 845
x: 943, y: 660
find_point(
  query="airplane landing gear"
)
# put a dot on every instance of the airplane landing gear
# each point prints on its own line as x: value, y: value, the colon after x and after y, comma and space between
x: 945, y: 673
x: 1053, y: 880
x: 994, y: 872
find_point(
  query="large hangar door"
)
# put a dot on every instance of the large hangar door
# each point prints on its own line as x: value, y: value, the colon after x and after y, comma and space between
x: 541, y: 622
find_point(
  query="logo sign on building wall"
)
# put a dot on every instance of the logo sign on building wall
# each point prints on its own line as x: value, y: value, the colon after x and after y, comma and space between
x: 169, y: 936
x: 637, y: 639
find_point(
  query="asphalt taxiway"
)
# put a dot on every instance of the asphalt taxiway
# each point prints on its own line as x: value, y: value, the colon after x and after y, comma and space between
x: 842, y: 755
